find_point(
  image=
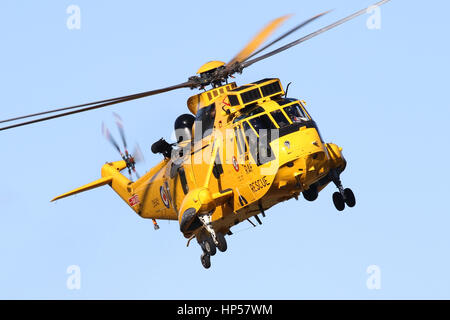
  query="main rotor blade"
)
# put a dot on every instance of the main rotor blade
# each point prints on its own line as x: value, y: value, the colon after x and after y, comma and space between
x: 57, y: 110
x: 311, y: 35
x: 103, y: 103
x: 258, y: 40
x: 301, y: 25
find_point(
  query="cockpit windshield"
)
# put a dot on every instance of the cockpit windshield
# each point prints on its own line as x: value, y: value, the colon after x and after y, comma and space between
x: 249, y: 111
x: 280, y: 118
x: 263, y: 125
x: 295, y: 113
x: 287, y: 116
x: 262, y: 122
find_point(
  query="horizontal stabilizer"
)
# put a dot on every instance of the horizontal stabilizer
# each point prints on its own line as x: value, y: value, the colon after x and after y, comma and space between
x: 89, y: 186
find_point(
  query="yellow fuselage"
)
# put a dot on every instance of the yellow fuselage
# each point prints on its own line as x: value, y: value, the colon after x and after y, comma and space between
x: 239, y: 181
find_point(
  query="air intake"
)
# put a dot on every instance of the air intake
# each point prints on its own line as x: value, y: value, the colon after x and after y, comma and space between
x: 250, y: 96
x: 271, y: 88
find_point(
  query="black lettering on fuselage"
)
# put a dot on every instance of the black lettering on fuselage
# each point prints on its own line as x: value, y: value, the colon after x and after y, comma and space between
x: 259, y: 184
x: 248, y: 168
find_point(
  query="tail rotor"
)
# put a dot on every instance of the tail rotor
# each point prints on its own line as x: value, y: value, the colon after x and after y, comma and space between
x: 130, y: 158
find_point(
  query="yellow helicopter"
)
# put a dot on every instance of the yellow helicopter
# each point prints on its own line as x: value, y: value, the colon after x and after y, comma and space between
x: 241, y: 150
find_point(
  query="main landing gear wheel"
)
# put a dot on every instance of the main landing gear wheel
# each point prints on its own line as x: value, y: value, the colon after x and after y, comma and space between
x: 206, y: 260
x: 343, y: 196
x: 349, y: 197
x: 338, y: 201
x: 311, y: 194
x: 222, y: 242
x: 209, y: 247
x: 209, y: 240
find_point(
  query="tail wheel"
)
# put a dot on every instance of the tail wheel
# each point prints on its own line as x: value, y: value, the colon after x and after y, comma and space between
x: 349, y: 197
x: 209, y: 246
x: 222, y: 242
x: 206, y: 260
x: 338, y: 201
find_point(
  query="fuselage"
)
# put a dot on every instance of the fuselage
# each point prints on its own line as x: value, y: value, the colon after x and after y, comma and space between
x: 269, y: 150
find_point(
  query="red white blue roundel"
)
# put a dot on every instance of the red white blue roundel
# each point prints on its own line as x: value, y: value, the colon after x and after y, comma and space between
x: 164, y: 197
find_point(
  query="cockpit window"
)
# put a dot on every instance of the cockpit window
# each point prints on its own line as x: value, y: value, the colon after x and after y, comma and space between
x: 248, y: 112
x: 262, y: 122
x: 259, y: 146
x: 204, y: 120
x: 280, y: 118
x: 296, y: 113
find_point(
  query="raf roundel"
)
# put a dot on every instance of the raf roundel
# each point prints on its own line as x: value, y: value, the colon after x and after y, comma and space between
x: 164, y: 197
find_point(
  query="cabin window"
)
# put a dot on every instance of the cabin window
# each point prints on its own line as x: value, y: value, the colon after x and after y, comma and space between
x: 280, y: 118
x: 204, y: 121
x: 296, y: 113
x: 183, y: 180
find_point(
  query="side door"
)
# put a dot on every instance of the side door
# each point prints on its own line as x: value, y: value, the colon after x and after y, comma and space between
x: 242, y: 169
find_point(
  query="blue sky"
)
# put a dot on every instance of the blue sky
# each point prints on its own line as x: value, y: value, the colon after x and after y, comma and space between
x: 380, y: 94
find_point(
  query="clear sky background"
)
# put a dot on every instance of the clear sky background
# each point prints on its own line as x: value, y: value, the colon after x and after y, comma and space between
x: 380, y: 94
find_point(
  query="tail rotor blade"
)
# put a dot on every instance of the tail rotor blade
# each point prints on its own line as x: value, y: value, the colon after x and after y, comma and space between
x: 130, y: 159
x: 119, y: 124
x: 136, y: 173
x: 137, y: 154
x: 110, y: 138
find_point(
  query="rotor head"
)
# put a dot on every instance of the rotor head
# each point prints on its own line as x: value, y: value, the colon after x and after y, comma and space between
x: 210, y: 67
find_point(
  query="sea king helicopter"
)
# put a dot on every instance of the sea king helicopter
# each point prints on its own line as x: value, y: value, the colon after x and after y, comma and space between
x: 241, y: 150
